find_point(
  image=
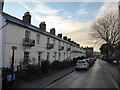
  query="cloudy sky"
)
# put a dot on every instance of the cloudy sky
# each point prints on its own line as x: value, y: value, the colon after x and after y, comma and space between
x: 73, y: 19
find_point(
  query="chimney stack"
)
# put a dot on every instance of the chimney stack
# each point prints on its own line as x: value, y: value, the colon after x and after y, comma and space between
x: 69, y: 39
x: 42, y: 26
x: 27, y: 17
x: 78, y: 44
x: 60, y: 35
x: 65, y: 37
x: 1, y: 5
x: 75, y: 43
x: 52, y: 31
x: 72, y: 41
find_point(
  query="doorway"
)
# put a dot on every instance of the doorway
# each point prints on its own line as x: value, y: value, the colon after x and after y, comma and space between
x: 39, y: 58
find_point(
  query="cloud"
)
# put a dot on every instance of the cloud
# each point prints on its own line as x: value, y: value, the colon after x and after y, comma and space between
x: 25, y: 6
x: 107, y: 7
x: 81, y: 12
x: 66, y: 24
x: 42, y: 8
x: 69, y: 17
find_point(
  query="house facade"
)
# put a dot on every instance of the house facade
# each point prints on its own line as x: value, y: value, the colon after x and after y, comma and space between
x: 89, y: 52
x: 34, y: 43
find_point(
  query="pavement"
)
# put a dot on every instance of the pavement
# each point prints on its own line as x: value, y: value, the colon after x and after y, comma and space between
x: 114, y: 71
x: 47, y: 79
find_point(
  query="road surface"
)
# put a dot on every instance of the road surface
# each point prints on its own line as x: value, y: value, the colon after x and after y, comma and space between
x: 96, y: 77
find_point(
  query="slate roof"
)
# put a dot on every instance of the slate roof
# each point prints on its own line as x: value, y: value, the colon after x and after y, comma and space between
x: 17, y: 21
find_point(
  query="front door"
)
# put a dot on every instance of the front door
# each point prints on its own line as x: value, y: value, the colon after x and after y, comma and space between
x: 26, y: 57
x: 39, y: 58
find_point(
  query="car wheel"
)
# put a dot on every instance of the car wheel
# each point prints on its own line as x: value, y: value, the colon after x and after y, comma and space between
x: 76, y: 69
x: 87, y: 68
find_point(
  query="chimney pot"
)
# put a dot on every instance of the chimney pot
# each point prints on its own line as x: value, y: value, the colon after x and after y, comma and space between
x: 52, y: 31
x: 27, y: 17
x: 72, y: 41
x: 69, y: 39
x: 60, y: 35
x: 65, y: 37
x: 42, y: 26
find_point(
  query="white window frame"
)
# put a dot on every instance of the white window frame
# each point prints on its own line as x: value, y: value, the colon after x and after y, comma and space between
x: 55, y: 55
x: 54, y: 42
x: 26, y: 55
x: 27, y: 34
x: 48, y: 55
x: 48, y: 40
x: 37, y: 39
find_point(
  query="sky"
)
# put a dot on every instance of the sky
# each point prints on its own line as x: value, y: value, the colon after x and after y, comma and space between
x: 72, y: 19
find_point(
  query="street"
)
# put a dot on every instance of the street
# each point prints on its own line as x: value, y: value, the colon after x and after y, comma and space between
x: 96, y: 77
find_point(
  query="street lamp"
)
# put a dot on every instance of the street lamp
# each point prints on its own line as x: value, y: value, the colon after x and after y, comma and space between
x: 12, y: 64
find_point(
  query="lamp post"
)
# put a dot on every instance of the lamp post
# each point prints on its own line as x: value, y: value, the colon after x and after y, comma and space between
x: 12, y: 64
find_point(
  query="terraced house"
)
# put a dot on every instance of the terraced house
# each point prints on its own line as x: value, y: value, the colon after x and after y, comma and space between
x: 34, y: 42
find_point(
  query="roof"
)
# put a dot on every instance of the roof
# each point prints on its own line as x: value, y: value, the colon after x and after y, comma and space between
x: 17, y: 21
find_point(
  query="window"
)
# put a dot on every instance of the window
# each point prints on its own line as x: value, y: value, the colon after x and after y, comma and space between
x: 64, y: 55
x: 63, y: 44
x: 66, y: 46
x: 37, y: 39
x: 26, y: 57
x: 59, y: 56
x: 27, y: 34
x: 54, y: 55
x: 48, y: 54
x: 59, y: 44
x: 48, y: 40
x: 39, y: 58
x: 54, y: 42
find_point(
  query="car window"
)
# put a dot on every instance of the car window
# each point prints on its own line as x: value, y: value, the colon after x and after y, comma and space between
x: 81, y: 62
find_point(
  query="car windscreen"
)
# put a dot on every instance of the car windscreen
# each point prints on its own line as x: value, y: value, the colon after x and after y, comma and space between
x: 81, y: 62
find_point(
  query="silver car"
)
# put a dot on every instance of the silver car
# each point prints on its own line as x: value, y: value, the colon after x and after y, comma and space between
x: 82, y: 64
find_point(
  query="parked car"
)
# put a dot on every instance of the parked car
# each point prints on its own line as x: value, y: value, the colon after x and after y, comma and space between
x: 82, y: 64
x: 114, y: 62
x: 91, y: 61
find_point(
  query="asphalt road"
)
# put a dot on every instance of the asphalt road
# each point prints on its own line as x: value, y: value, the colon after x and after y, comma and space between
x: 96, y: 77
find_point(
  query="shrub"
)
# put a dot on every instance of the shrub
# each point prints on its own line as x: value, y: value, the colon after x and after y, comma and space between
x: 33, y: 70
x: 57, y: 65
x: 71, y: 62
x: 6, y: 71
x: 45, y: 66
x: 66, y: 63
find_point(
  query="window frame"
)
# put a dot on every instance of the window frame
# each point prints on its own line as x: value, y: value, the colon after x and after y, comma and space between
x: 37, y: 39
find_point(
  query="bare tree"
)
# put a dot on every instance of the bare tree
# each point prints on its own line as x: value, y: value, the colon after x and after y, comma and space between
x: 106, y: 28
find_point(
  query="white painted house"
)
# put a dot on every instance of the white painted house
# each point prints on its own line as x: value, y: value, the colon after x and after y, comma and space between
x: 34, y: 42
